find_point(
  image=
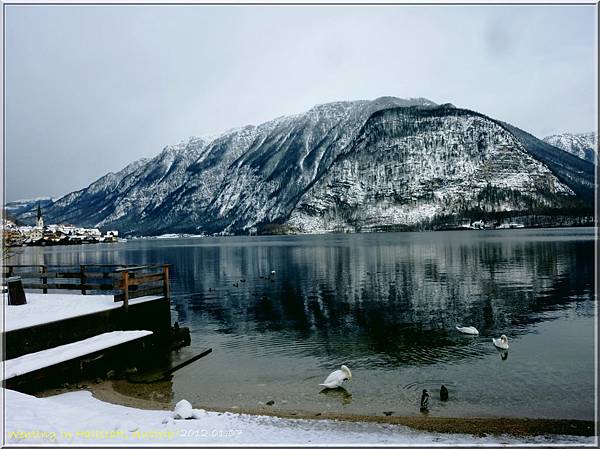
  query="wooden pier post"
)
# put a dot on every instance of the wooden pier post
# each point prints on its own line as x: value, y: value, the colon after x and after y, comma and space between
x: 125, y: 282
x: 82, y: 277
x: 166, y: 291
x: 45, y: 278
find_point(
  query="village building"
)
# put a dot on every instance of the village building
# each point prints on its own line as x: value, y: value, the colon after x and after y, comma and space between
x: 36, y: 234
x: 40, y: 220
x: 52, y: 234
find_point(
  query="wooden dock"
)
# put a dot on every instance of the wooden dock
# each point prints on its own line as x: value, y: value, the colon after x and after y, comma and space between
x: 142, y: 291
x: 91, y: 357
x: 125, y: 281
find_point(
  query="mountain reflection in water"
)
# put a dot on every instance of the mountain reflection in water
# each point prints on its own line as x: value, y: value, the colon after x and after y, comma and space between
x: 387, y: 306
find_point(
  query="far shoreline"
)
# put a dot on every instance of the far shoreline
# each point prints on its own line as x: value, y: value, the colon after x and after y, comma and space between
x: 184, y: 236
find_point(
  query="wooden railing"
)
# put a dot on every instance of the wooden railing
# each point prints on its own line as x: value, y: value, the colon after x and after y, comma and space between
x: 124, y: 281
x: 145, y: 280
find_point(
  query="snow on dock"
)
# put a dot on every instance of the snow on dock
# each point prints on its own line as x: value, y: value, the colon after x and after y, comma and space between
x: 53, y: 356
x: 48, y: 308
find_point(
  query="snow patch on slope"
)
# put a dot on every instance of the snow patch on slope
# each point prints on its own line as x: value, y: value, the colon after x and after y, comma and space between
x: 582, y: 145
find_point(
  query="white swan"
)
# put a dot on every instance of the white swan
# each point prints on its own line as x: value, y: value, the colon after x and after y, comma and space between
x: 467, y: 330
x: 337, y: 378
x: 501, y: 342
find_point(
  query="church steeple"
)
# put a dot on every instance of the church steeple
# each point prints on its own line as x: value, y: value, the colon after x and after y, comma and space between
x: 40, y: 219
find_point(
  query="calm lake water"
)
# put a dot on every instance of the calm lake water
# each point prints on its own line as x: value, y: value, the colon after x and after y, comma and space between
x: 386, y: 305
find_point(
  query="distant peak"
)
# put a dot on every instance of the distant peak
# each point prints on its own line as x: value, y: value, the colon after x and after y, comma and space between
x: 184, y: 146
x: 333, y: 105
x: 332, y: 108
x: 411, y: 101
x: 33, y: 200
x: 393, y: 101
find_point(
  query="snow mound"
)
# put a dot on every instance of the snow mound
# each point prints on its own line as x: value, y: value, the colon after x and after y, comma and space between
x: 183, y: 410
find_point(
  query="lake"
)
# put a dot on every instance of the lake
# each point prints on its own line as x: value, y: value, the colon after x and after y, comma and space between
x: 386, y: 305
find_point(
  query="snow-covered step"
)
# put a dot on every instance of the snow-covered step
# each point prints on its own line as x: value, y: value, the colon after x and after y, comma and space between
x: 53, y: 356
x: 48, y: 308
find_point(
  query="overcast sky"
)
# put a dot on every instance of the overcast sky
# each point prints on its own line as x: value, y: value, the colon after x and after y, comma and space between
x: 91, y: 88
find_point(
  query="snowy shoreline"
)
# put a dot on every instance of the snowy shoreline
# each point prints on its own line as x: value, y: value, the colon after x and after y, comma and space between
x: 79, y: 418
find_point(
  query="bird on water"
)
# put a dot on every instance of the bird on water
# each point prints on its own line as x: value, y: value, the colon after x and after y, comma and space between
x: 425, y: 401
x: 501, y: 342
x: 337, y: 378
x: 470, y: 330
x: 444, y: 393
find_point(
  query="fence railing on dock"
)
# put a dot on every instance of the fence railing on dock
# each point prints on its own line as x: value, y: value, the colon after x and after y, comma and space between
x: 124, y: 281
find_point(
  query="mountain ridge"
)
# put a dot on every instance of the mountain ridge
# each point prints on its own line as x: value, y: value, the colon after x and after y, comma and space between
x: 272, y: 173
x: 582, y: 145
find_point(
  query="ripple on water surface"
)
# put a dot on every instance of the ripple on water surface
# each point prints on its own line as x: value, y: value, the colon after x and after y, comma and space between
x: 386, y: 305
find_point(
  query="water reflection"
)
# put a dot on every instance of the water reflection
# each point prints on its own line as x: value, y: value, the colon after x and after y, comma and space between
x: 386, y: 305
x: 339, y: 393
x: 396, y: 295
x: 393, y: 298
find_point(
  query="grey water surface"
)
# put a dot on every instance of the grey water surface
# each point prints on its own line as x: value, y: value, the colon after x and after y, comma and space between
x: 386, y: 305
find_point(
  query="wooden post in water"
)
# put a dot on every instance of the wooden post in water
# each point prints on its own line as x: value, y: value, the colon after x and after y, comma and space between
x: 45, y: 278
x: 166, y: 292
x: 82, y: 277
x: 125, y: 282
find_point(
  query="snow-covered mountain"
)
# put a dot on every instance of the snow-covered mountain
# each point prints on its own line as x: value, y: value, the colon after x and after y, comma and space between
x: 364, y: 165
x: 26, y: 209
x: 583, y: 145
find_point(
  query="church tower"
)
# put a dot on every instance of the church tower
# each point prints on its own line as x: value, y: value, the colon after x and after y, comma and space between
x: 40, y: 219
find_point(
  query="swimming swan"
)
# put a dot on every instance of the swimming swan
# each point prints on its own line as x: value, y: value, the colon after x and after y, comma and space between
x: 501, y: 342
x: 467, y: 330
x: 337, y: 378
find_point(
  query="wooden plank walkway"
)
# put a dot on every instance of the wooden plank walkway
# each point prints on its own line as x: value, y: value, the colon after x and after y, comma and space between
x: 59, y: 354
